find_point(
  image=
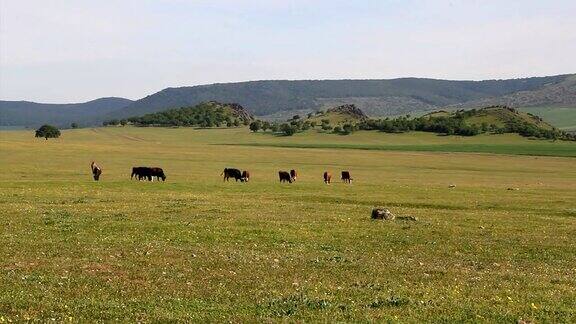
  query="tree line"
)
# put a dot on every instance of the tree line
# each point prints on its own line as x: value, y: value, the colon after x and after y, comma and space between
x: 203, y: 115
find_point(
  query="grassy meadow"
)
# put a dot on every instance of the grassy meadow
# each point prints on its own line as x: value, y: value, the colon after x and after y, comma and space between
x: 195, y: 248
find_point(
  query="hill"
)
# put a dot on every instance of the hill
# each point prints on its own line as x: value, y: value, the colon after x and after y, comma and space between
x: 375, y: 97
x: 502, y: 116
x: 553, y: 94
x: 496, y: 120
x: 32, y: 114
x: 339, y: 115
x: 206, y: 114
x: 282, y: 99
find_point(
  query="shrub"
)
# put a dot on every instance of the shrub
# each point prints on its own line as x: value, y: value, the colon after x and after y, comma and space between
x: 255, y: 125
x: 288, y: 129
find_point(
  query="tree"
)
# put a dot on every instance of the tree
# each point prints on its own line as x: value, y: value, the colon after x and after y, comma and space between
x: 266, y: 125
x: 288, y: 129
x: 255, y: 126
x: 48, y: 131
x: 74, y: 125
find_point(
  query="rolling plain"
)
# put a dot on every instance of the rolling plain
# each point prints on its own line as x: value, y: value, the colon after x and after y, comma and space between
x: 498, y: 247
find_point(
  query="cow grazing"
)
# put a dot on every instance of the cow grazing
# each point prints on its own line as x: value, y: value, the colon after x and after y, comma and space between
x: 327, y: 177
x: 158, y: 173
x: 141, y: 173
x: 346, y: 177
x: 136, y: 173
x: 96, y: 170
x: 148, y: 173
x: 245, y: 176
x: 232, y: 173
x: 284, y: 176
x: 293, y: 174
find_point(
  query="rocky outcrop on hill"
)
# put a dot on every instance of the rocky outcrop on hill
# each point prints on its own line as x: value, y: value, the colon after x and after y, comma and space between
x: 240, y: 111
x: 351, y: 110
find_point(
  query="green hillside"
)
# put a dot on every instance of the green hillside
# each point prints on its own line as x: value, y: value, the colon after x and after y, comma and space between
x: 504, y: 117
x: 206, y: 114
x: 496, y: 119
x: 376, y: 97
x: 279, y: 99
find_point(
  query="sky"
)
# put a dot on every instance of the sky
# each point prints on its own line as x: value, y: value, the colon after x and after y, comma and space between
x: 60, y: 51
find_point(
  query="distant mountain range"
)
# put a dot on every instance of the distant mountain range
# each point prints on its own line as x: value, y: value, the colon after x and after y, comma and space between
x: 26, y: 113
x: 281, y: 99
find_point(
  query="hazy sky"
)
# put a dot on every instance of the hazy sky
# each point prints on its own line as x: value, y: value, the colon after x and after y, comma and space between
x: 76, y: 50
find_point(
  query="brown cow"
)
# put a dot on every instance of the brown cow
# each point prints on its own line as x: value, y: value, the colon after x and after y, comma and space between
x: 284, y: 176
x: 96, y: 170
x: 293, y: 174
x: 327, y: 177
x: 245, y: 176
x: 346, y: 177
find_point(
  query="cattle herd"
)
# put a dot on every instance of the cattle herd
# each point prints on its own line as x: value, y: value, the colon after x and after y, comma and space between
x: 141, y: 173
x: 149, y: 173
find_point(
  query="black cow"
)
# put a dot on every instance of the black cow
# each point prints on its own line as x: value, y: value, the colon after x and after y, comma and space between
x: 284, y: 176
x: 346, y: 177
x: 158, y: 173
x: 141, y: 173
x: 136, y: 172
x: 232, y: 173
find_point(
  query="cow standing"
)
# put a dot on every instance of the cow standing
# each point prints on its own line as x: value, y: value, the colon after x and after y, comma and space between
x: 96, y: 170
x: 327, y: 177
x: 232, y: 173
x: 245, y: 176
x: 346, y: 177
x: 293, y: 174
x: 284, y: 176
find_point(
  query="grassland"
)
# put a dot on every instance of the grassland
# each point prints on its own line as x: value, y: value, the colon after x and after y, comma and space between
x: 197, y: 249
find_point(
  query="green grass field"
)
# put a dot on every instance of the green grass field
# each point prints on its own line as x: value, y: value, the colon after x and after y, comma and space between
x: 197, y: 249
